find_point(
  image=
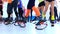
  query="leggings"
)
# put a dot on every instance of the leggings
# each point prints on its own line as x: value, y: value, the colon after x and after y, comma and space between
x: 10, y: 7
x: 1, y: 11
x: 20, y: 12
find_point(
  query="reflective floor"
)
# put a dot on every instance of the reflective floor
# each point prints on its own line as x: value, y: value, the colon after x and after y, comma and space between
x: 30, y: 27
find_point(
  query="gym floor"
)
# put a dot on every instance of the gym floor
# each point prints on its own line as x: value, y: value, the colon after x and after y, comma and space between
x: 29, y: 29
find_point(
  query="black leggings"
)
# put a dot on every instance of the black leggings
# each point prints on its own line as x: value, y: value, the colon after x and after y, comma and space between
x: 1, y: 11
x: 10, y: 7
x: 20, y: 12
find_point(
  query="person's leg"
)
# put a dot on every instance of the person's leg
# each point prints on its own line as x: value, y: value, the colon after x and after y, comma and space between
x: 41, y: 7
x: 55, y: 11
x: 21, y: 18
x: 36, y: 10
x: 29, y: 6
x: 52, y: 11
x: 27, y: 13
x: 9, y: 9
x: 1, y: 12
x: 20, y: 12
x: 50, y: 14
x: 59, y: 16
x: 45, y: 10
x: 15, y: 7
x: 9, y: 12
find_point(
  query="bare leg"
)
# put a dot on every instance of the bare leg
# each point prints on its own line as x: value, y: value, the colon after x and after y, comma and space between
x: 45, y: 10
x: 52, y: 10
x: 46, y: 7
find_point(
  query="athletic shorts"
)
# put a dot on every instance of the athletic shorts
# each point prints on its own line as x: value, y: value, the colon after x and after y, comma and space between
x: 49, y: 0
x: 31, y: 3
x: 41, y: 4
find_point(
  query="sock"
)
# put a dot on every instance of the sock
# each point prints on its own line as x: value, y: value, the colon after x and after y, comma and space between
x: 52, y: 17
x: 43, y: 15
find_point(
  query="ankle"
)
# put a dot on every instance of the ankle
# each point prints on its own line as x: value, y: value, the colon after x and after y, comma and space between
x: 52, y: 17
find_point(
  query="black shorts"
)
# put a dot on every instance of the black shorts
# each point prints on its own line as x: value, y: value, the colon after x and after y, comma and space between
x: 49, y: 0
x: 41, y: 4
x: 1, y: 11
x: 31, y: 3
